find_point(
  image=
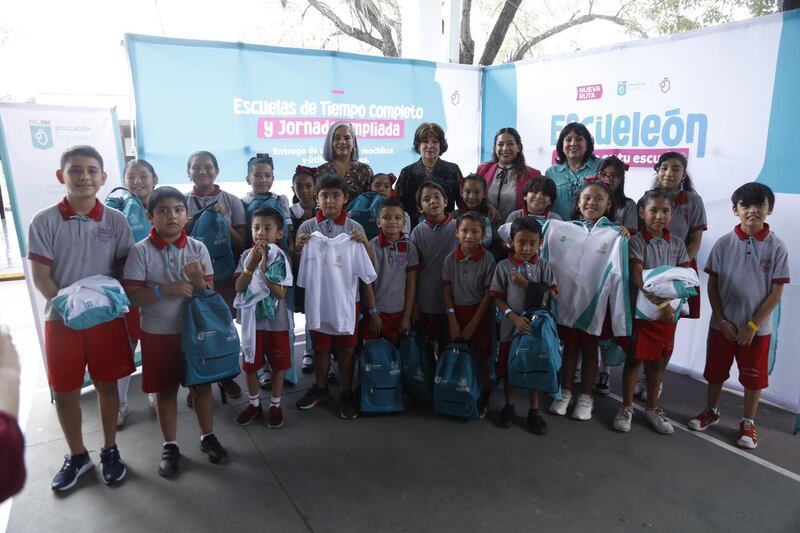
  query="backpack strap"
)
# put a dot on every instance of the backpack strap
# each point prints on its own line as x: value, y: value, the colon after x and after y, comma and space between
x: 115, y: 189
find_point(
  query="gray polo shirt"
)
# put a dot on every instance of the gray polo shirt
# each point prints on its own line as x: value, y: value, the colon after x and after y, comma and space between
x: 470, y: 276
x: 519, y: 213
x: 329, y: 227
x: 746, y: 267
x: 688, y: 215
x: 234, y: 209
x: 652, y: 252
x: 626, y: 215
x: 75, y: 246
x: 433, y: 242
x: 536, y: 270
x: 281, y: 320
x: 152, y: 262
x: 392, y: 262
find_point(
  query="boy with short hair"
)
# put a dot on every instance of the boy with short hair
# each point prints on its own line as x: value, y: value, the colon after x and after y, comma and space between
x: 466, y: 277
x: 747, y: 270
x: 331, y: 222
x: 434, y: 238
x: 396, y: 264
x: 161, y: 274
x: 510, y: 283
x: 74, y: 239
x: 272, y: 345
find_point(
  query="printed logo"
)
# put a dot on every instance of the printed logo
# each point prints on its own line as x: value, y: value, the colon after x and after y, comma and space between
x: 766, y: 265
x: 590, y: 92
x: 439, y: 379
x: 419, y: 375
x: 105, y: 234
x: 41, y: 134
x: 563, y: 238
x: 338, y: 261
x: 462, y: 386
x: 603, y: 248
x: 201, y: 335
x: 368, y: 367
x: 394, y: 368
x: 622, y: 88
x: 455, y: 98
x: 665, y: 85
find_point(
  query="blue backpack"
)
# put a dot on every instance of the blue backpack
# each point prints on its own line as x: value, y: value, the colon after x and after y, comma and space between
x: 262, y: 201
x: 209, y: 344
x: 417, y: 367
x: 364, y: 209
x: 130, y: 206
x: 210, y: 228
x: 379, y: 378
x: 455, y: 387
x: 535, y: 359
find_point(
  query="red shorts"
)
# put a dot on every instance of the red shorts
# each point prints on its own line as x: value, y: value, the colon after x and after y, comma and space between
x: 653, y: 339
x: 272, y: 347
x: 694, y: 301
x: 390, y: 322
x: 501, y: 368
x: 104, y: 348
x: 162, y: 361
x: 481, y: 341
x: 435, y: 326
x: 324, y: 342
x: 575, y: 337
x: 752, y: 360
x: 132, y: 319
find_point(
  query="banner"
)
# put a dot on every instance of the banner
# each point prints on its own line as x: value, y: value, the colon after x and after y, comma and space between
x: 32, y: 139
x: 237, y: 100
x: 726, y: 97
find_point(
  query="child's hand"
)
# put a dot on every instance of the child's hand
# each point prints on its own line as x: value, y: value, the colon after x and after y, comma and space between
x: 729, y: 331
x: 194, y: 271
x: 519, y: 280
x: 301, y: 241
x: 624, y: 232
x: 359, y: 236
x: 666, y: 314
x: 493, y: 213
x: 404, y: 326
x: 454, y: 329
x: 522, y: 324
x: 745, y: 336
x: 263, y: 263
x: 655, y: 300
x: 255, y: 255
x: 375, y: 324
x: 219, y: 208
x: 177, y: 288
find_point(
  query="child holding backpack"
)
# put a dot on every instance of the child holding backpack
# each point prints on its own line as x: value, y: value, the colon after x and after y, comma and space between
x: 161, y: 274
x: 510, y: 284
x: 260, y: 177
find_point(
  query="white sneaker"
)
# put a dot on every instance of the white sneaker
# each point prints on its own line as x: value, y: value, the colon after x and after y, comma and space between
x: 622, y: 422
x: 152, y: 399
x: 658, y: 419
x: 583, y: 407
x: 559, y: 407
x: 576, y: 377
x: 644, y: 392
x: 640, y: 387
x: 308, y: 364
x: 122, y: 414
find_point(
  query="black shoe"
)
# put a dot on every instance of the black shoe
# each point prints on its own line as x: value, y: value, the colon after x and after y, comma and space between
x: 312, y: 397
x: 506, y: 416
x: 347, y: 408
x: 483, y: 402
x: 211, y: 446
x: 74, y: 467
x: 536, y: 422
x: 169, y: 460
x: 113, y: 467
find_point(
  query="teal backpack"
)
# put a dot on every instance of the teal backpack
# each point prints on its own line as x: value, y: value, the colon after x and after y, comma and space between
x: 135, y: 213
x: 535, y: 358
x: 417, y: 367
x: 455, y: 387
x: 263, y: 201
x: 379, y: 378
x: 364, y: 209
x: 209, y: 344
x: 211, y: 229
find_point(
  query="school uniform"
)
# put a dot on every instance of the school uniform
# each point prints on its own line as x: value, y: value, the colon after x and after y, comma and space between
x: 746, y: 267
x: 152, y: 262
x: 653, y: 339
x: 688, y: 215
x: 272, y: 344
x: 298, y: 216
x: 535, y: 270
x: 234, y: 210
x: 331, y: 264
x: 626, y: 215
x: 75, y: 247
x: 470, y: 277
x: 434, y: 241
x: 393, y: 262
x: 541, y: 219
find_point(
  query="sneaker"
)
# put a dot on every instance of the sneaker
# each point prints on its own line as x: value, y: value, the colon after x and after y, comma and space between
x: 249, y: 414
x: 74, y: 467
x: 312, y: 397
x: 536, y: 422
x: 265, y: 380
x: 232, y: 389
x: 332, y: 378
x: 275, y: 417
x: 506, y: 417
x: 748, y: 438
x: 704, y: 420
x: 583, y: 407
x: 211, y: 446
x: 113, y: 467
x: 483, y: 403
x: 622, y: 422
x: 576, y: 377
x: 658, y: 419
x: 347, y: 408
x: 151, y: 399
x: 640, y: 387
x: 644, y: 392
x: 308, y: 364
x: 169, y: 460
x: 559, y: 407
x: 122, y: 414
x: 603, y: 386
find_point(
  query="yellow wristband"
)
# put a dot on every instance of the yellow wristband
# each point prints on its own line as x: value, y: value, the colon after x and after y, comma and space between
x: 248, y: 272
x: 663, y: 305
x: 753, y: 325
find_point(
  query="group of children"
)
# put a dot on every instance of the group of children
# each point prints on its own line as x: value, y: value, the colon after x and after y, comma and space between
x: 446, y: 277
